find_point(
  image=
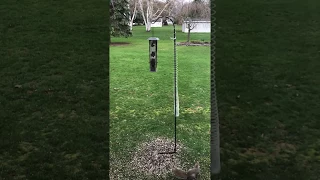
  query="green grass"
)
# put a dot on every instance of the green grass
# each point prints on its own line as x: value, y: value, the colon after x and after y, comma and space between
x: 54, y: 124
x: 141, y: 102
x: 268, y: 53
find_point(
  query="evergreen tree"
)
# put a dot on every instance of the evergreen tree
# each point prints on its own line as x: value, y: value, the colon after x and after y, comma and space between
x: 120, y: 18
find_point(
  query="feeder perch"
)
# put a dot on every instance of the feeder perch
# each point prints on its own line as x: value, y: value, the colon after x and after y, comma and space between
x: 153, y: 49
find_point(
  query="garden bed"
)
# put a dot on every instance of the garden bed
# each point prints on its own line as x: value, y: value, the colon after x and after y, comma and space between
x: 193, y: 43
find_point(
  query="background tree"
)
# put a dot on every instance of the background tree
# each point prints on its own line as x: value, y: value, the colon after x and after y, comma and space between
x: 199, y: 9
x: 120, y: 18
x: 196, y: 10
x: 169, y: 10
x: 139, y: 19
x: 133, y: 11
x: 179, y: 11
x: 190, y: 25
x: 152, y: 9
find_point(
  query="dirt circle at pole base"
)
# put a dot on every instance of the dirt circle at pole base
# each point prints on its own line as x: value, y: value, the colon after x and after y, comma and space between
x: 147, y: 160
x: 193, y: 43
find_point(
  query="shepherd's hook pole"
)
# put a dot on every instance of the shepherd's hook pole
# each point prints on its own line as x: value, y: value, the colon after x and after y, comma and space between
x: 176, y: 113
x: 176, y: 99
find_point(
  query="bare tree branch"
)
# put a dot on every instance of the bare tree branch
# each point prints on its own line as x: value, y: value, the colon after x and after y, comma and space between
x: 163, y: 9
x: 153, y: 11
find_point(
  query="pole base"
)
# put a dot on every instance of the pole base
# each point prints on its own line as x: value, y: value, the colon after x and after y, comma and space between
x: 173, y: 152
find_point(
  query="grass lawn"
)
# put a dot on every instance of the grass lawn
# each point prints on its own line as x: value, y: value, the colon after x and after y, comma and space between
x: 141, y: 102
x: 53, y: 84
x: 267, y: 53
x: 53, y: 90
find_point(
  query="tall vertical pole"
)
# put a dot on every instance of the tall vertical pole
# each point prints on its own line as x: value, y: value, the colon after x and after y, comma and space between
x: 215, y: 132
x: 176, y: 105
x: 175, y: 85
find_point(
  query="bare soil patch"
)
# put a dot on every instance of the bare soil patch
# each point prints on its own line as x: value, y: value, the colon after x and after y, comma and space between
x: 147, y: 160
x: 146, y: 163
x: 193, y: 43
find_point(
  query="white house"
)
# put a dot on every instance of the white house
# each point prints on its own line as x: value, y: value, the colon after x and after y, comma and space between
x: 157, y: 24
x: 199, y: 26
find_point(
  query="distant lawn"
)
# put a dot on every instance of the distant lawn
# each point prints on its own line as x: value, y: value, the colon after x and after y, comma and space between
x: 53, y: 90
x: 268, y: 55
x: 141, y: 102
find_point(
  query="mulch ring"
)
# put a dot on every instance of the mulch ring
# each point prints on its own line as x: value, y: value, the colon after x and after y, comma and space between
x: 119, y: 43
x: 147, y: 160
x: 193, y: 43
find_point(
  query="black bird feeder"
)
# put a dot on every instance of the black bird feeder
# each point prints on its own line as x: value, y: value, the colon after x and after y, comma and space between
x: 153, y: 49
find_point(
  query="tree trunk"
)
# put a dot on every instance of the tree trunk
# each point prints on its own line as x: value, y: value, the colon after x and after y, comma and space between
x: 148, y: 26
x: 189, y: 30
x: 133, y: 15
x: 131, y: 24
x: 149, y: 13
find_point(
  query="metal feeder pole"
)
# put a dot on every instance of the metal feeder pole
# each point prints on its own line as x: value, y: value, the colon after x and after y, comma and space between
x: 176, y: 110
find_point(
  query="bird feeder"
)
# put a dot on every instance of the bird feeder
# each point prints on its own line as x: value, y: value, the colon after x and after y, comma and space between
x: 153, y: 49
